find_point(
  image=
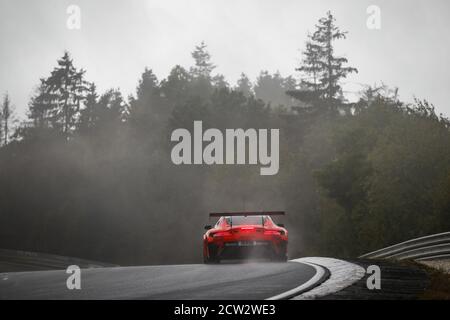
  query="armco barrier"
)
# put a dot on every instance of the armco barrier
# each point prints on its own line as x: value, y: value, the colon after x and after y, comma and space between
x: 436, y: 246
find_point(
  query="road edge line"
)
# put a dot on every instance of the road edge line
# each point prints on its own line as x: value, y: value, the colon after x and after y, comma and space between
x: 322, y: 274
x: 342, y: 275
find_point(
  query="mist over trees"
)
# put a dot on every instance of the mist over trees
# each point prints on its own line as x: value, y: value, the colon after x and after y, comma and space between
x: 89, y: 174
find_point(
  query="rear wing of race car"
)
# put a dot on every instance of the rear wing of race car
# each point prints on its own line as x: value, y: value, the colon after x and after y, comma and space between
x: 243, y: 213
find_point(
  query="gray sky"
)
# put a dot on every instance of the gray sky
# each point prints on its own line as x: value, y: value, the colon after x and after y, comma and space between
x: 119, y: 38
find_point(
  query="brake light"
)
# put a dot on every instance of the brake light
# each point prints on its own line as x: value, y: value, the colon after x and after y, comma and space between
x: 221, y: 234
x: 247, y: 228
x: 272, y: 232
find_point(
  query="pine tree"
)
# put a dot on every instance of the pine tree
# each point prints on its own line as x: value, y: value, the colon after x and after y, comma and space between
x: 39, y: 107
x: 322, y: 70
x: 244, y: 85
x: 1, y: 127
x: 311, y: 67
x: 203, y: 65
x: 219, y: 81
x: 105, y: 112
x: 66, y: 90
x: 177, y: 86
x: 6, y: 117
x: 148, y: 107
x: 88, y: 116
x: 148, y: 85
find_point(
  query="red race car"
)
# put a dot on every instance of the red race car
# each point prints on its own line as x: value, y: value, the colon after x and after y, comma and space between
x: 239, y: 235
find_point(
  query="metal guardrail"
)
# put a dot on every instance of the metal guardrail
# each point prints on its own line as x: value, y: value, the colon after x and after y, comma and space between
x: 26, y: 260
x: 433, y: 247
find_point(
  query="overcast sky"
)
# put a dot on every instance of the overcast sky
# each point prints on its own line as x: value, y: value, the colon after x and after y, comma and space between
x: 118, y: 39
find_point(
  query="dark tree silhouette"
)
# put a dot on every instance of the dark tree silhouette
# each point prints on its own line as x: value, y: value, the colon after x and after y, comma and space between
x: 65, y: 91
x: 176, y: 88
x: 244, y: 85
x: 6, y: 117
x: 322, y: 70
x: 88, y: 115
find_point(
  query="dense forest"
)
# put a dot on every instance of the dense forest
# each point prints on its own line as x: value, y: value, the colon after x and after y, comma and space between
x: 89, y: 174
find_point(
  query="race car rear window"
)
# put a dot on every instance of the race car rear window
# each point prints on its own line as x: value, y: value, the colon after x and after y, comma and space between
x: 241, y: 220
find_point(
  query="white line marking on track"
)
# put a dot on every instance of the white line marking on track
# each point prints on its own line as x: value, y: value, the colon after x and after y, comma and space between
x: 342, y: 275
x: 320, y: 273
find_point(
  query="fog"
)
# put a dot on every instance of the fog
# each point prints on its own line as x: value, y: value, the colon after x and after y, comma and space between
x: 87, y: 171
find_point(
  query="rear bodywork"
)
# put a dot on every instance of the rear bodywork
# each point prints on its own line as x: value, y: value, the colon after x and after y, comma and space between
x: 245, y: 235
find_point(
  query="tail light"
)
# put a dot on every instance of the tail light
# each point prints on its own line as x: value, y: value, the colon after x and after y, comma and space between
x: 221, y: 234
x: 273, y: 232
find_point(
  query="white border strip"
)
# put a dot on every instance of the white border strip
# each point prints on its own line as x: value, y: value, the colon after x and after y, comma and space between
x: 342, y: 275
x: 320, y: 273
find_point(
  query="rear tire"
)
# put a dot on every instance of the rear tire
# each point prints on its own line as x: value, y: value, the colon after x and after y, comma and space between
x: 207, y: 260
x: 281, y: 258
x: 211, y: 254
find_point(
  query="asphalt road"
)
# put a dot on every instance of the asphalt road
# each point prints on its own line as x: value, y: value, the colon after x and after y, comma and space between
x: 255, y: 280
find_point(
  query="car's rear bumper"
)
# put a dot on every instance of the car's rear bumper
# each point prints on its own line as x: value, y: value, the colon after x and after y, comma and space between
x: 238, y: 249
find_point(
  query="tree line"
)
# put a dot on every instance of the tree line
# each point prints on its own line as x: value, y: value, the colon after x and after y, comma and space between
x: 89, y: 174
